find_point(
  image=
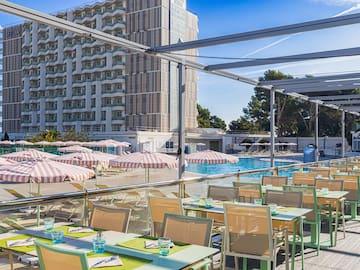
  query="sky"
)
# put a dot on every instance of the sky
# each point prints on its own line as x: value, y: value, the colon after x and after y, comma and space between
x: 224, y: 97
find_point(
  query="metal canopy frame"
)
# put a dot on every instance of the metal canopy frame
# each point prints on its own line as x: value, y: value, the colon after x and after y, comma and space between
x: 164, y: 52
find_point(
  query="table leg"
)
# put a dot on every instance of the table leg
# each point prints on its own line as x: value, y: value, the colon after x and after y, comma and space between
x: 336, y: 221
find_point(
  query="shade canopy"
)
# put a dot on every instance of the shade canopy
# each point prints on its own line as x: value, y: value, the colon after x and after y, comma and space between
x: 210, y: 157
x: 87, y: 159
x: 75, y: 149
x: 28, y: 155
x: 6, y: 143
x: 22, y: 142
x: 43, y: 171
x: 145, y: 160
x: 107, y: 143
x: 4, y: 161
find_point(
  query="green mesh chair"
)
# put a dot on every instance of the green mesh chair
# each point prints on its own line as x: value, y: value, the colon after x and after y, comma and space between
x: 54, y: 258
x: 309, y: 200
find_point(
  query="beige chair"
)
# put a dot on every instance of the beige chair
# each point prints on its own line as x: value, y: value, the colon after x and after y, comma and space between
x: 332, y: 185
x: 55, y: 258
x: 110, y: 218
x: 304, y: 178
x: 276, y: 181
x: 248, y: 192
x: 222, y: 193
x: 158, y: 207
x: 248, y: 234
x: 321, y: 171
x: 192, y: 230
x: 284, y: 198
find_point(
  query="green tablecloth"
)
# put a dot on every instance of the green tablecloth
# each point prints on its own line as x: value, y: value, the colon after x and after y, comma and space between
x: 24, y: 249
x: 129, y: 262
x: 139, y: 244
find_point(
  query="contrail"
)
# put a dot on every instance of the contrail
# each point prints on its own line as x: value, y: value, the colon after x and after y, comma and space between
x: 272, y: 44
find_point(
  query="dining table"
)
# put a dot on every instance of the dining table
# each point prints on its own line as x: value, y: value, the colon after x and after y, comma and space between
x: 282, y: 217
x: 130, y: 247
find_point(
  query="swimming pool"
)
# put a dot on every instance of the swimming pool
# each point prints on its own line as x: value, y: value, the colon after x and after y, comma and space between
x: 244, y: 164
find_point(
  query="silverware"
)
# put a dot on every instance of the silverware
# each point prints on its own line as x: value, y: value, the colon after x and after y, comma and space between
x: 112, y: 258
x: 21, y: 241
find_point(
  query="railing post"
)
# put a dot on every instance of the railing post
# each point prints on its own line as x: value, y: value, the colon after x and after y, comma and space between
x: 85, y: 215
x: 276, y: 171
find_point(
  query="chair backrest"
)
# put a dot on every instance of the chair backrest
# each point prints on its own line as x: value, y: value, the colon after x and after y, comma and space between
x: 248, y: 229
x: 110, y: 218
x: 321, y: 171
x: 222, y: 193
x: 193, y: 230
x: 309, y: 199
x: 351, y: 185
x: 54, y: 258
x: 304, y: 178
x: 332, y: 185
x: 276, y: 181
x: 284, y: 198
x: 248, y: 191
x: 159, y: 206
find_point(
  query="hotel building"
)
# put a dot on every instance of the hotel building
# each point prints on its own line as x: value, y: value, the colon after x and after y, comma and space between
x: 54, y: 79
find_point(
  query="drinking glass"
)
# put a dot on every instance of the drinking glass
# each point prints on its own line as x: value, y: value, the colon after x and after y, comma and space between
x: 98, y: 245
x: 269, y: 186
x: 57, y: 236
x: 164, y: 245
x: 258, y: 201
x: 196, y: 198
x: 273, y: 208
x: 49, y: 223
x: 324, y: 190
x: 208, y: 202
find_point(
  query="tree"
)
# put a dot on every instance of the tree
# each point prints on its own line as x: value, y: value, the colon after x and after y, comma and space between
x: 205, y: 120
x: 6, y: 136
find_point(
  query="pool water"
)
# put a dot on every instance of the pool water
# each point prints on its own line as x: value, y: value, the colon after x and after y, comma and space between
x: 244, y: 164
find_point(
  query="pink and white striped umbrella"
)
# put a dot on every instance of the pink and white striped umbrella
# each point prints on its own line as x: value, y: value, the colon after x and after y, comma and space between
x: 43, y: 143
x: 145, y: 160
x: 23, y: 143
x: 4, y: 161
x: 210, y: 157
x: 107, y: 143
x: 6, y: 143
x: 30, y: 154
x: 75, y: 149
x: 87, y: 159
x: 44, y: 171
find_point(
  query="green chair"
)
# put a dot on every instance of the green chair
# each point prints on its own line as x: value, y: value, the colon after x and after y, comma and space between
x: 54, y: 258
x: 248, y: 191
x: 309, y: 200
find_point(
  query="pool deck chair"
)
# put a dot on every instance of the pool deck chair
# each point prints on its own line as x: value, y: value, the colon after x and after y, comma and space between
x: 55, y: 258
x: 159, y: 206
x: 110, y: 218
x: 276, y: 181
x: 249, y: 235
x: 192, y: 230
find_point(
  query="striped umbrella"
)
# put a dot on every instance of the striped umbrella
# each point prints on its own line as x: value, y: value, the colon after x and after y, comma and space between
x: 23, y: 143
x: 75, y: 149
x: 30, y: 154
x: 145, y: 160
x: 4, y: 161
x: 6, y: 143
x: 210, y: 157
x: 43, y: 171
x: 87, y: 159
x: 107, y: 143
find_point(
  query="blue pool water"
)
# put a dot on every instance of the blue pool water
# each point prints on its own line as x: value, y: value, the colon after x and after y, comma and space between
x: 244, y: 164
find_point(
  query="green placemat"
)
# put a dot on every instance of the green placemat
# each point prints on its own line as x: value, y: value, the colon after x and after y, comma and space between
x: 129, y: 262
x: 75, y: 234
x: 24, y: 249
x: 139, y: 244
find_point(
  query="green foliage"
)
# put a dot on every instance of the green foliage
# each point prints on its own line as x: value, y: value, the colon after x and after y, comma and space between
x: 205, y: 120
x: 54, y: 135
x: 294, y: 117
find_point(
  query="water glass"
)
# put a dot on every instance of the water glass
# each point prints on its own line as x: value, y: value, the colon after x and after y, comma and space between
x: 99, y: 245
x: 164, y: 245
x: 258, y: 201
x: 324, y: 191
x: 49, y: 223
x: 273, y: 208
x: 57, y: 236
x: 208, y: 202
x: 196, y: 198
x: 269, y: 186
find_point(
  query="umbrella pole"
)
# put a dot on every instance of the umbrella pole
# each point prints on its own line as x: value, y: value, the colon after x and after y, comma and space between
x: 38, y: 207
x: 147, y: 180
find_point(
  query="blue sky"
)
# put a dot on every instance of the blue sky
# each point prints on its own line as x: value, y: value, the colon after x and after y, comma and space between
x: 225, y: 97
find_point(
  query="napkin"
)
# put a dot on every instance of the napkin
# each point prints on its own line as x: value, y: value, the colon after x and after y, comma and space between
x: 104, y: 261
x: 80, y: 230
x: 20, y: 242
x: 154, y: 244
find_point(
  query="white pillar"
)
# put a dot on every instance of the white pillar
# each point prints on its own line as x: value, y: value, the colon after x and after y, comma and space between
x: 272, y: 127
x: 316, y: 132
x: 181, y: 169
x: 343, y: 133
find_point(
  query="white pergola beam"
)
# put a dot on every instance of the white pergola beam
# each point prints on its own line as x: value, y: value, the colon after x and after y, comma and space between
x: 264, y: 33
x: 286, y: 59
x: 344, y: 102
x: 335, y: 97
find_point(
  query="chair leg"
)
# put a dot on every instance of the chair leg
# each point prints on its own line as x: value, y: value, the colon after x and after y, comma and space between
x: 343, y: 216
x: 236, y: 262
x: 11, y: 260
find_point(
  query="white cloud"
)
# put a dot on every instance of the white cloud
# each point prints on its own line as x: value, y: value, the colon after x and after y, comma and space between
x: 338, y: 2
